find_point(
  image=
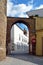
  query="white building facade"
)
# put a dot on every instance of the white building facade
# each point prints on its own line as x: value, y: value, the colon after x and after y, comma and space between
x: 38, y: 12
x: 19, y: 41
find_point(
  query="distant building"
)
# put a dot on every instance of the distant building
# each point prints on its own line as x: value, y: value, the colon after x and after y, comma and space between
x: 19, y: 40
x: 38, y: 12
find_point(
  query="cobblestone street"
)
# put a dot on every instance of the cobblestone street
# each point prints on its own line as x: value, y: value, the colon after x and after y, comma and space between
x: 22, y: 59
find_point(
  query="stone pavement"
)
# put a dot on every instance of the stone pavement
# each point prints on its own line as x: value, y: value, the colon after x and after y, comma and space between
x: 22, y: 59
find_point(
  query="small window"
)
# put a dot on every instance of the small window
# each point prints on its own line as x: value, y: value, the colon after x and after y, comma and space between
x: 19, y: 37
x: 12, y: 48
x: 18, y: 46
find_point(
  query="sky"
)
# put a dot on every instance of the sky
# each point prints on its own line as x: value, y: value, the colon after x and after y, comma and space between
x: 22, y: 26
x: 18, y: 8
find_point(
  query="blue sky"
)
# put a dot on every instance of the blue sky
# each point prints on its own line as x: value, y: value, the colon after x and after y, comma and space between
x: 22, y: 26
x: 18, y: 8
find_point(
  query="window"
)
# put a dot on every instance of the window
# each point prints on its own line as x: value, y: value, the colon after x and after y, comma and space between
x: 12, y: 49
x: 18, y: 46
x: 24, y: 39
x: 19, y: 37
x: 13, y: 46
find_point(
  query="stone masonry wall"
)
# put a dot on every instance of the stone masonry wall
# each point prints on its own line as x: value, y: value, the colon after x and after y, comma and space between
x: 3, y: 26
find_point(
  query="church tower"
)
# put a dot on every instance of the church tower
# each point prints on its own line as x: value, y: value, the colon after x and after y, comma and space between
x: 3, y: 27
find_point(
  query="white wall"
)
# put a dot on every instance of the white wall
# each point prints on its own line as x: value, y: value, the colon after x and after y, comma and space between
x: 12, y: 35
x: 20, y: 45
x: 36, y: 12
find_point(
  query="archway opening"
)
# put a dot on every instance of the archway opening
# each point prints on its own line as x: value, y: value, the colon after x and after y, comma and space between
x: 19, y: 40
x: 31, y: 28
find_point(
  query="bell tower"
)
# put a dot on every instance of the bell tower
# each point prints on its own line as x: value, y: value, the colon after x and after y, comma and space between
x: 3, y: 27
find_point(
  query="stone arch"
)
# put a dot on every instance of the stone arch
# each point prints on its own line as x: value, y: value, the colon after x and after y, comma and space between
x: 21, y: 21
x: 30, y: 23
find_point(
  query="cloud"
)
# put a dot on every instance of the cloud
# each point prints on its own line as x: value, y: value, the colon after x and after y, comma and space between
x: 40, y: 7
x: 18, y: 9
x: 23, y: 15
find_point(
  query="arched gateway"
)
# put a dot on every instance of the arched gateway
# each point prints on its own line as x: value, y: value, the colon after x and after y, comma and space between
x: 5, y: 27
x: 29, y: 22
x: 35, y: 31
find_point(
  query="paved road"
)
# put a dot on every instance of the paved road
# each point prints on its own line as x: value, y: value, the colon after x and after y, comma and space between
x: 22, y: 59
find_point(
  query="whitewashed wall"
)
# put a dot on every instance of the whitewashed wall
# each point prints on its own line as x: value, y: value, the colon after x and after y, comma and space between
x: 18, y: 40
x: 12, y: 35
x: 38, y: 12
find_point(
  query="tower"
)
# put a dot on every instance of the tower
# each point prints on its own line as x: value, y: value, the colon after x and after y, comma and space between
x: 3, y: 27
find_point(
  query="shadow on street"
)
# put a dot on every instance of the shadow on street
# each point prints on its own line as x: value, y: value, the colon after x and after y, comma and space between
x: 28, y: 58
